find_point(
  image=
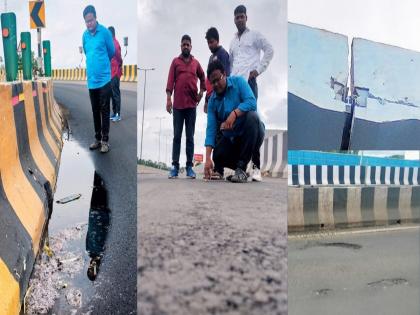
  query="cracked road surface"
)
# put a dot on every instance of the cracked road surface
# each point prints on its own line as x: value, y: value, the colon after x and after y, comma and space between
x: 368, y: 273
x: 211, y: 247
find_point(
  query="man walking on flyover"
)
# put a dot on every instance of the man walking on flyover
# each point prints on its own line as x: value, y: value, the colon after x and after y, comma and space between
x: 234, y: 130
x: 245, y: 60
x: 99, y: 49
x: 116, y: 72
x: 182, y: 80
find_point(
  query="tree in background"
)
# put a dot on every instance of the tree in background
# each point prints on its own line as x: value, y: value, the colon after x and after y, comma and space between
x: 36, y: 71
x: 153, y: 164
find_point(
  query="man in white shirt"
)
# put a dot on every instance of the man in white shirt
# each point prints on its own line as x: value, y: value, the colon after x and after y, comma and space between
x: 245, y: 60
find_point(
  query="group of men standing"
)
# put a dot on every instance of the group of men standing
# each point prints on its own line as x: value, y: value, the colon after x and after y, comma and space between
x: 104, y: 69
x: 234, y: 131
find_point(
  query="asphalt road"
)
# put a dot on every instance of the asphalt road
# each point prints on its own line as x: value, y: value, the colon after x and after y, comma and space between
x: 368, y: 273
x: 211, y: 247
x: 116, y: 288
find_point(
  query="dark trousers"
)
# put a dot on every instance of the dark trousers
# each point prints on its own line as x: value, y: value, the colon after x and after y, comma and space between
x: 236, y: 152
x: 100, y: 99
x: 116, y: 95
x: 179, y: 117
x: 254, y: 87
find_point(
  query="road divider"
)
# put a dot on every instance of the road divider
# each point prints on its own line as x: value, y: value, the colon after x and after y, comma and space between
x: 334, y: 190
x: 30, y: 148
x: 79, y: 74
x: 273, y: 154
x: 317, y: 208
x: 325, y: 168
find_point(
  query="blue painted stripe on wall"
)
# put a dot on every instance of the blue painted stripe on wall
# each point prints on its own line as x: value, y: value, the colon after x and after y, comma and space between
x: 296, y: 157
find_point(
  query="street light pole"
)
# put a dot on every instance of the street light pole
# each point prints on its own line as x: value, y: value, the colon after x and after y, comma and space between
x: 144, y: 104
x: 160, y: 131
x: 166, y: 149
x: 81, y: 54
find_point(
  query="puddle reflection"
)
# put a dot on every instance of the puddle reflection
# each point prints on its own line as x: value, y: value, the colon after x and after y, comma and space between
x: 97, y: 226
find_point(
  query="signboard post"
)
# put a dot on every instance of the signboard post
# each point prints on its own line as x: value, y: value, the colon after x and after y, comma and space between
x: 37, y: 21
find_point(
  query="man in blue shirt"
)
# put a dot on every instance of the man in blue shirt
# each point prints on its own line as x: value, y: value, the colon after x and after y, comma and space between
x: 99, y: 48
x: 234, y: 130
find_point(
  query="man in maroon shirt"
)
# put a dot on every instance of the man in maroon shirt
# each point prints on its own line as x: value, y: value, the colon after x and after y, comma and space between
x: 116, y: 71
x: 182, y: 80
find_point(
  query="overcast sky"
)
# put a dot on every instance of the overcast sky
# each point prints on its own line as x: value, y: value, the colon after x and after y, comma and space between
x: 65, y: 26
x: 387, y: 21
x: 161, y: 25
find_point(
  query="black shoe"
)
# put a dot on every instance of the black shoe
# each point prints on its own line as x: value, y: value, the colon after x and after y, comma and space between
x: 93, y: 268
x: 239, y: 176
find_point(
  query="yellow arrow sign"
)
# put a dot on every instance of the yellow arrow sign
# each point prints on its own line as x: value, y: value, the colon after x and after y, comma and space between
x: 37, y: 14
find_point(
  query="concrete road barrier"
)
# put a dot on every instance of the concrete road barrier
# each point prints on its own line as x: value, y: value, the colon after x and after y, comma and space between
x: 317, y: 88
x: 79, y: 74
x: 382, y: 111
x: 333, y: 190
x: 317, y: 208
x: 273, y: 154
x: 301, y: 175
x: 385, y: 82
x: 323, y: 168
x: 30, y: 149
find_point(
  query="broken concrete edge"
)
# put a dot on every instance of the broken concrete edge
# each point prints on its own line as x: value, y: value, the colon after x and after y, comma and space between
x: 365, y: 123
x: 31, y: 144
x: 330, y: 208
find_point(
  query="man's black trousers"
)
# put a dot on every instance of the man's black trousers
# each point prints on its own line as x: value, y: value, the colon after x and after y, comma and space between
x: 236, y: 152
x: 100, y: 99
x: 180, y: 116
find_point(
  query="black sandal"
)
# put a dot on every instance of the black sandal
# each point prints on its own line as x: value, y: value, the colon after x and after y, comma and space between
x: 216, y: 176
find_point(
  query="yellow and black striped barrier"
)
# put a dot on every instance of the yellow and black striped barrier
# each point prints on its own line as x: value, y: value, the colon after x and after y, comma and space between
x: 30, y: 146
x: 129, y: 74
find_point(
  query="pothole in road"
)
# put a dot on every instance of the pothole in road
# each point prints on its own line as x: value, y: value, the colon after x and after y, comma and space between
x: 342, y: 245
x: 386, y: 283
x: 62, y: 279
x: 332, y: 244
x: 322, y: 292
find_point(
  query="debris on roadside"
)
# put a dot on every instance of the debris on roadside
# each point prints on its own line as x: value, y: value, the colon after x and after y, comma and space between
x: 74, y: 298
x: 54, y: 267
x: 69, y: 198
x: 48, y: 251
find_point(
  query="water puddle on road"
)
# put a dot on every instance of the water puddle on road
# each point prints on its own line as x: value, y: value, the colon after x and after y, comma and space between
x: 64, y: 277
